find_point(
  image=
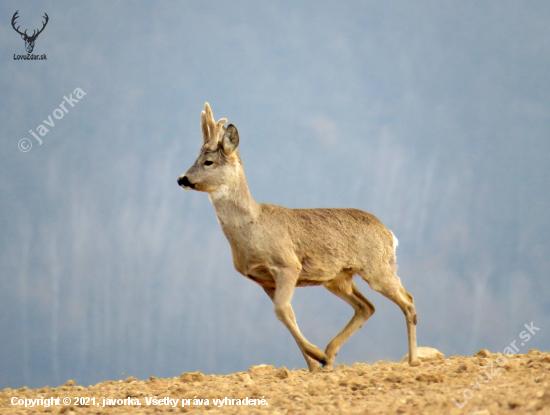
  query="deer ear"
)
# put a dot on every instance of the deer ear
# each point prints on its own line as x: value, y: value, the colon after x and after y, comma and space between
x: 23, y: 37
x: 230, y: 140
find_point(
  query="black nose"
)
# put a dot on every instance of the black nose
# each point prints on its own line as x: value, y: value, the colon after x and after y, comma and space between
x: 184, y: 181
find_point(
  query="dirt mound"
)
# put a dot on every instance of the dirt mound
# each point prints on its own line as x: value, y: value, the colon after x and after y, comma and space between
x: 483, y: 384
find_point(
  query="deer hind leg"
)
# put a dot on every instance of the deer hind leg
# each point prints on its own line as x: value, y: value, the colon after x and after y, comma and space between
x: 389, y: 285
x: 281, y: 296
x: 348, y: 291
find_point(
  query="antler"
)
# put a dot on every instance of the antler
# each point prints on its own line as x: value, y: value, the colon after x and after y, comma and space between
x: 43, y: 26
x: 34, y: 33
x: 15, y: 16
x: 211, y: 131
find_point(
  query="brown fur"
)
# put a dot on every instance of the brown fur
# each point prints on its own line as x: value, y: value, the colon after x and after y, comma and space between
x: 281, y: 248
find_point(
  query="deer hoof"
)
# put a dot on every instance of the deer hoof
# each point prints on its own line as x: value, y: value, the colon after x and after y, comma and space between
x: 313, y: 367
x: 324, y: 360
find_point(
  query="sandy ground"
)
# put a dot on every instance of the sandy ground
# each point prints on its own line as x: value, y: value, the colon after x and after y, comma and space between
x: 483, y: 384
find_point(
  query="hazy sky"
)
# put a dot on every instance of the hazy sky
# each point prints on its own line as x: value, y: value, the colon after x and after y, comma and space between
x: 433, y: 116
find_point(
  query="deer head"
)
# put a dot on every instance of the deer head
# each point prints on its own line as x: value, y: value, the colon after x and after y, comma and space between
x: 218, y: 165
x: 29, y: 40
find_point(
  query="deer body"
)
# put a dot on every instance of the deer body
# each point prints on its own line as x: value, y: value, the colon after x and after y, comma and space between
x: 281, y: 248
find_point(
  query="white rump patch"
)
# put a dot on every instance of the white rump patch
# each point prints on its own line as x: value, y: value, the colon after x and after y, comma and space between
x: 395, y: 241
x: 392, y: 261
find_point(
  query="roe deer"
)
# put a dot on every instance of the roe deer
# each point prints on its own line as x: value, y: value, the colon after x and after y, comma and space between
x: 281, y: 248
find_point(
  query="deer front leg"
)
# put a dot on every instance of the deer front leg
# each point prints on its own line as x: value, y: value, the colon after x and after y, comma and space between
x: 285, y: 282
x: 312, y: 364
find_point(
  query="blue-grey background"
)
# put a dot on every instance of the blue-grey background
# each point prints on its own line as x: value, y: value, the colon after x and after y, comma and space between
x: 434, y: 116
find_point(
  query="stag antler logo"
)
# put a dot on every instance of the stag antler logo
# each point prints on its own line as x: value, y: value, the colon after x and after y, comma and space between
x: 29, y: 40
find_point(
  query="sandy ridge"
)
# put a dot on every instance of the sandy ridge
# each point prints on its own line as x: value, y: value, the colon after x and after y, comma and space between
x: 521, y: 384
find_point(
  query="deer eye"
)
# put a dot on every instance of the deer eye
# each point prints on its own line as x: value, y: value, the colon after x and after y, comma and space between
x: 208, y: 163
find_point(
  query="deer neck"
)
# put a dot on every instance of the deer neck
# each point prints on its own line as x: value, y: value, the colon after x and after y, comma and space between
x: 234, y: 204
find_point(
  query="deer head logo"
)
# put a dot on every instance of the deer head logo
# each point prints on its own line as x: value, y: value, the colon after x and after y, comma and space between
x: 29, y: 40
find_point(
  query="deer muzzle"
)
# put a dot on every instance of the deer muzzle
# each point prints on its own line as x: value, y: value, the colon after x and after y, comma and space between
x: 184, y: 182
